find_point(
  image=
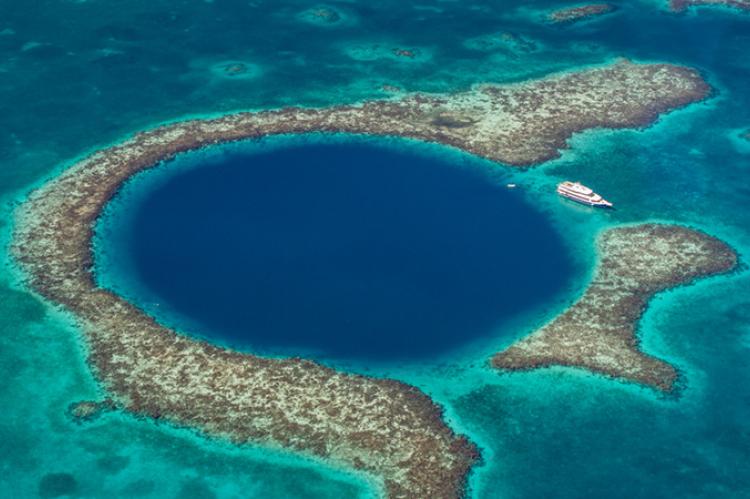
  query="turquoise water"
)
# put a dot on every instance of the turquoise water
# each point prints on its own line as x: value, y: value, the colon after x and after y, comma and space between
x: 75, y: 76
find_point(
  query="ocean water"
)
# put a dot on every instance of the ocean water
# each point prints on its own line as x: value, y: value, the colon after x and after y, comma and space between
x: 77, y: 75
x: 351, y: 249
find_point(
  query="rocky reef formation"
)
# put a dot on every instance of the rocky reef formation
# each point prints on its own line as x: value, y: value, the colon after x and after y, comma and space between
x: 387, y: 51
x: 509, y: 41
x: 579, y: 13
x: 402, y: 52
x: 681, y: 5
x: 598, y: 332
x: 239, y: 70
x: 89, y: 410
x: 383, y: 427
x: 324, y: 15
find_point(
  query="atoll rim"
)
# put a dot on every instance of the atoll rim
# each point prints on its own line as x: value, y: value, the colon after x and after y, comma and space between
x: 379, y: 179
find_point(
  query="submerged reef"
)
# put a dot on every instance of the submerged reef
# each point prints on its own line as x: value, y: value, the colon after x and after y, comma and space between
x: 239, y: 70
x: 506, y: 40
x: 599, y: 331
x: 387, y: 51
x: 579, y: 13
x: 401, y: 52
x: 88, y: 410
x: 681, y: 5
x: 323, y: 15
x: 57, y: 485
x: 383, y: 427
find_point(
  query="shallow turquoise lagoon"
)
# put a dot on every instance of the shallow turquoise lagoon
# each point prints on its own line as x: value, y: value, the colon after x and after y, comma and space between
x: 77, y: 75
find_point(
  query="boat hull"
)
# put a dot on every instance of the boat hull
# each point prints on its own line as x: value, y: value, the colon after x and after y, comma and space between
x: 602, y: 203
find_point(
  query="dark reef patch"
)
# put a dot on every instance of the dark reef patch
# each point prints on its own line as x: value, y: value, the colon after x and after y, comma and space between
x: 235, y: 70
x: 195, y: 489
x: 580, y: 13
x: 57, y: 485
x: 89, y: 410
x: 681, y: 5
x: 325, y: 16
x: 112, y: 464
x: 514, y: 43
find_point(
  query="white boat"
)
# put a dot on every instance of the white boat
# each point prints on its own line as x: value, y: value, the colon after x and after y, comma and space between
x: 581, y: 194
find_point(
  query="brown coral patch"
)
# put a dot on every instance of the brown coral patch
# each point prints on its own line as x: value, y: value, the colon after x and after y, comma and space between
x: 408, y: 53
x: 598, y: 332
x: 681, y: 5
x: 88, y: 410
x: 573, y: 14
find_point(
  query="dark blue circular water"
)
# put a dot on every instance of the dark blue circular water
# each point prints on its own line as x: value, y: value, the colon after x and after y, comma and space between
x: 349, y: 250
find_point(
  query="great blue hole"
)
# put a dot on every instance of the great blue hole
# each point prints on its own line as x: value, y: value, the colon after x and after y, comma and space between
x: 344, y: 250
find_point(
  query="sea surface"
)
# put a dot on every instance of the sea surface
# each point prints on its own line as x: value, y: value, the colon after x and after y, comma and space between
x: 352, y: 249
x: 76, y: 76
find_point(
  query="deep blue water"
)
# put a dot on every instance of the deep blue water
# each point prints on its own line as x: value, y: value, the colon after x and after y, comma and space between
x: 349, y: 250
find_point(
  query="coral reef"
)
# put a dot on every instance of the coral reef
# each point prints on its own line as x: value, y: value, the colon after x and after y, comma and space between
x: 581, y: 12
x: 88, y: 410
x: 235, y: 70
x: 401, y: 52
x: 506, y: 40
x: 391, y: 89
x: 385, y: 51
x: 681, y: 5
x: 383, y: 427
x: 598, y: 331
x: 324, y: 15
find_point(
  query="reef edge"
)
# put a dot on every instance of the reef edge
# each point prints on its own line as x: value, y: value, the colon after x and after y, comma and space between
x: 598, y: 332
